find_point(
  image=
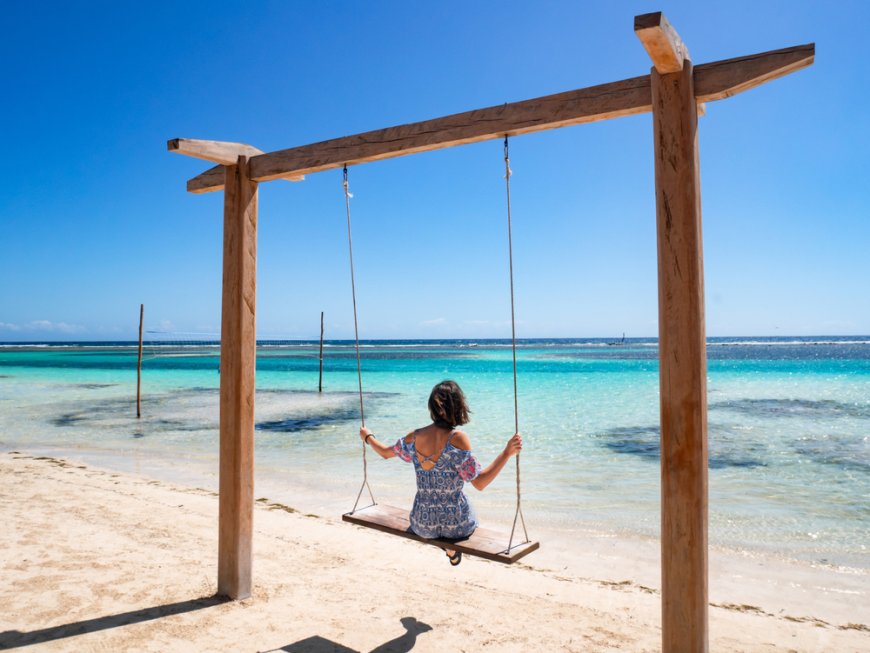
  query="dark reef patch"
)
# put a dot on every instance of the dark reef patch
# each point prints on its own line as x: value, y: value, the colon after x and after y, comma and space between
x: 806, y: 408
x: 644, y: 442
x: 850, y: 453
x: 308, y: 422
x: 68, y: 419
x: 635, y: 440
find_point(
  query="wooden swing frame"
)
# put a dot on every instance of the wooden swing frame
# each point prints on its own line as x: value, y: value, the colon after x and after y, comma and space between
x: 673, y: 92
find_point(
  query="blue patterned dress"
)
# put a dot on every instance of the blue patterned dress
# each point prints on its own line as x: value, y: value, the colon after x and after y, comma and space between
x: 441, y: 508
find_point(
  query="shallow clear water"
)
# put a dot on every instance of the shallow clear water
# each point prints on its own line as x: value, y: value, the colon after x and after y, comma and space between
x: 789, y: 427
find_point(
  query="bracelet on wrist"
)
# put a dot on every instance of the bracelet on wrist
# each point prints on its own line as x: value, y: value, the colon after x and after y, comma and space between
x: 370, y: 435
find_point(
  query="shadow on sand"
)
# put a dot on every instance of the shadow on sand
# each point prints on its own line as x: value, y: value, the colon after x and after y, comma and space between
x: 14, y: 638
x: 401, y: 644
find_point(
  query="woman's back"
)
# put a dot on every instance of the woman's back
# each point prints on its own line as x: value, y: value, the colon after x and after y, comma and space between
x: 443, y: 464
x: 442, y: 468
x: 430, y: 442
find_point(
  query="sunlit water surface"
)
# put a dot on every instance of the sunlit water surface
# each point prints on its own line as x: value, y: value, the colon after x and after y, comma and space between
x: 789, y: 427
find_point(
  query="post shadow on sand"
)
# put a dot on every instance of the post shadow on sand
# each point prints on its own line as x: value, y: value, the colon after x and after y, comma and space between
x: 401, y: 644
x: 15, y: 638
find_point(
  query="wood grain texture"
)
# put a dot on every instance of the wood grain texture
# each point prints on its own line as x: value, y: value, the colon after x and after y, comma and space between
x: 623, y: 98
x: 722, y: 79
x: 238, y: 358
x: 683, y: 363
x: 661, y: 41
x: 208, y: 181
x: 713, y: 81
x: 483, y: 543
x: 213, y: 179
x: 216, y: 151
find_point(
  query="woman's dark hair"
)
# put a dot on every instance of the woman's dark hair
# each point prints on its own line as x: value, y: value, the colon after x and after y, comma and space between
x: 447, y: 405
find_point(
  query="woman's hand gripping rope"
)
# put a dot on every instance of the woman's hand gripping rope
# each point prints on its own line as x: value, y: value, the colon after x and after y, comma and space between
x: 514, y: 445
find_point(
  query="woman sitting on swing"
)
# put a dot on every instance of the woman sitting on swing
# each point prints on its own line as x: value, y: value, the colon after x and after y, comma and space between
x: 443, y: 462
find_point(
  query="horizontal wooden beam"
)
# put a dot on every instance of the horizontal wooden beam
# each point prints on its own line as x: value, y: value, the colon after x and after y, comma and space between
x: 214, y: 151
x: 222, y: 152
x: 713, y: 81
x: 623, y: 98
x: 661, y: 41
x: 208, y: 181
x: 722, y: 79
x: 213, y: 179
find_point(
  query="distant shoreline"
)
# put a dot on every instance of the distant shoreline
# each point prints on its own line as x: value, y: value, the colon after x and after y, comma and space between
x: 214, y: 339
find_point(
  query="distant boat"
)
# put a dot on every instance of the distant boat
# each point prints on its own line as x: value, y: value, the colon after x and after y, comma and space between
x: 616, y: 343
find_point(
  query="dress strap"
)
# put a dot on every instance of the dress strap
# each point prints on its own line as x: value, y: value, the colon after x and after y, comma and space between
x: 414, y: 444
x: 428, y: 459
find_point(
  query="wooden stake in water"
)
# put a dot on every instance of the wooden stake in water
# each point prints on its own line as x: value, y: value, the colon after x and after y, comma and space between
x: 139, y: 366
x: 320, y: 378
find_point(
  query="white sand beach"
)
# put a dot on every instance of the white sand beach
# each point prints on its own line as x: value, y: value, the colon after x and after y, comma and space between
x: 94, y: 560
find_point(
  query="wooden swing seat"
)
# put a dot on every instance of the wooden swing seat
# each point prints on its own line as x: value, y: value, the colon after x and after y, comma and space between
x: 483, y: 543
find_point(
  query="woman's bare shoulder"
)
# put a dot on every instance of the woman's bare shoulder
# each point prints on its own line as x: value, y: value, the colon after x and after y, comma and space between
x: 461, y: 441
x: 410, y: 437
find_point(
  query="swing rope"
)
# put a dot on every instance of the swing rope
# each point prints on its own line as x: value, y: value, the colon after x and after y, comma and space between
x: 518, y: 514
x: 365, y: 483
x: 519, y: 510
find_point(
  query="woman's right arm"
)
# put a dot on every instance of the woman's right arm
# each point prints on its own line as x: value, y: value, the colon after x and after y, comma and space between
x: 487, y: 476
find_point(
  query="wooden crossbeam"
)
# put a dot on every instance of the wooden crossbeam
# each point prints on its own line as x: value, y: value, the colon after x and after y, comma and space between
x: 713, y: 81
x: 622, y: 98
x: 208, y: 181
x: 662, y: 43
x: 722, y: 79
x: 213, y: 179
x: 215, y: 151
x: 221, y: 152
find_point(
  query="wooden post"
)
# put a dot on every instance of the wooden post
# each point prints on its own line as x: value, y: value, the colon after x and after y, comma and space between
x: 682, y: 347
x: 238, y: 358
x: 139, y: 366
x: 320, y: 378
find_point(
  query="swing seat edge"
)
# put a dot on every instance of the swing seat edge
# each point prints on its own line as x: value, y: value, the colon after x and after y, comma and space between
x: 483, y: 543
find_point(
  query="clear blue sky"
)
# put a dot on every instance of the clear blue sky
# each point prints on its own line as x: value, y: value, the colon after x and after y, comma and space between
x: 95, y: 218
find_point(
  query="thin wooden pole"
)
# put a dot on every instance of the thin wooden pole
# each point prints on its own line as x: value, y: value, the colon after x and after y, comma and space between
x: 320, y: 378
x: 139, y: 366
x: 238, y: 359
x: 683, y: 362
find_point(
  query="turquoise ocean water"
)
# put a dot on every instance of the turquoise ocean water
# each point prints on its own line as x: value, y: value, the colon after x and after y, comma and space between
x: 789, y: 427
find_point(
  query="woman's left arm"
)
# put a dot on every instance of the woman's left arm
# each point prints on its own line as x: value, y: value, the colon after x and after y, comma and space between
x: 383, y: 450
x: 487, y: 476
